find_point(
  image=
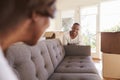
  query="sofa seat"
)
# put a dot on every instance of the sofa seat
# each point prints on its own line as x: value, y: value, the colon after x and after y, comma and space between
x: 76, y: 64
x: 74, y: 76
x: 78, y: 58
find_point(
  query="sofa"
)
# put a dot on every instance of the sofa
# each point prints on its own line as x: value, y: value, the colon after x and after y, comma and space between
x: 50, y: 60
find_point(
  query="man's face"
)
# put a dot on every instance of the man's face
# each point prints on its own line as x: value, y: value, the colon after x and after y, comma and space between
x: 37, y: 29
x: 41, y: 24
x: 75, y: 29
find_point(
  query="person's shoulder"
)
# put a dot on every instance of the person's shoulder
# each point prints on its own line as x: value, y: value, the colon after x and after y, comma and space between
x: 79, y: 34
x: 66, y: 33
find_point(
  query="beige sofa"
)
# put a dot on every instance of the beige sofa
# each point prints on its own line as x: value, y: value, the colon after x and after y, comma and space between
x: 50, y: 60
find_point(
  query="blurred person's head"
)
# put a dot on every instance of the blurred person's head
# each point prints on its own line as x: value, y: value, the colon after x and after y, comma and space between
x: 75, y: 28
x: 24, y: 20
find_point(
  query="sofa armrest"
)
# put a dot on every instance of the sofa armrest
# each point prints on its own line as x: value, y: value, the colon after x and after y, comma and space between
x: 77, y: 50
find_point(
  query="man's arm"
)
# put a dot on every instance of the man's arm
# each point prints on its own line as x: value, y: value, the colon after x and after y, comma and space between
x: 65, y: 42
x: 81, y: 40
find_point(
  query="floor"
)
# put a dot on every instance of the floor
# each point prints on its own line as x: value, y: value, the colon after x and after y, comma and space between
x: 98, y: 64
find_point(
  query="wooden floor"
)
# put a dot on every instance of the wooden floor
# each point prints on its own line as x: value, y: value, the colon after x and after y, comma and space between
x: 98, y: 64
x: 110, y: 79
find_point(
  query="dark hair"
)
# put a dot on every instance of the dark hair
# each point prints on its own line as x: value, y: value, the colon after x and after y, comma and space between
x: 12, y: 11
x: 76, y: 24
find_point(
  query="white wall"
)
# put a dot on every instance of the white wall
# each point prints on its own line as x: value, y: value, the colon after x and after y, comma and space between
x: 69, y: 4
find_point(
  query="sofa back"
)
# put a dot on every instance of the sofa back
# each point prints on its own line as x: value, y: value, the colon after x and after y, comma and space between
x: 56, y: 51
x: 30, y: 63
x: 77, y: 50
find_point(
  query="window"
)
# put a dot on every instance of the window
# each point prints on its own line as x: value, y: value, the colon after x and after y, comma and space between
x: 110, y: 16
x: 67, y: 19
x: 88, y: 26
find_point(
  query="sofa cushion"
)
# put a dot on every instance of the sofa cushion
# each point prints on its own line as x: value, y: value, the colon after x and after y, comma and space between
x: 78, y: 58
x: 77, y: 64
x: 30, y: 63
x: 42, y: 61
x: 56, y: 51
x: 74, y: 76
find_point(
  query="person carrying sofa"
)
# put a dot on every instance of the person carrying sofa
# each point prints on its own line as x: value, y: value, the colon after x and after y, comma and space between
x: 22, y: 20
x: 73, y: 36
